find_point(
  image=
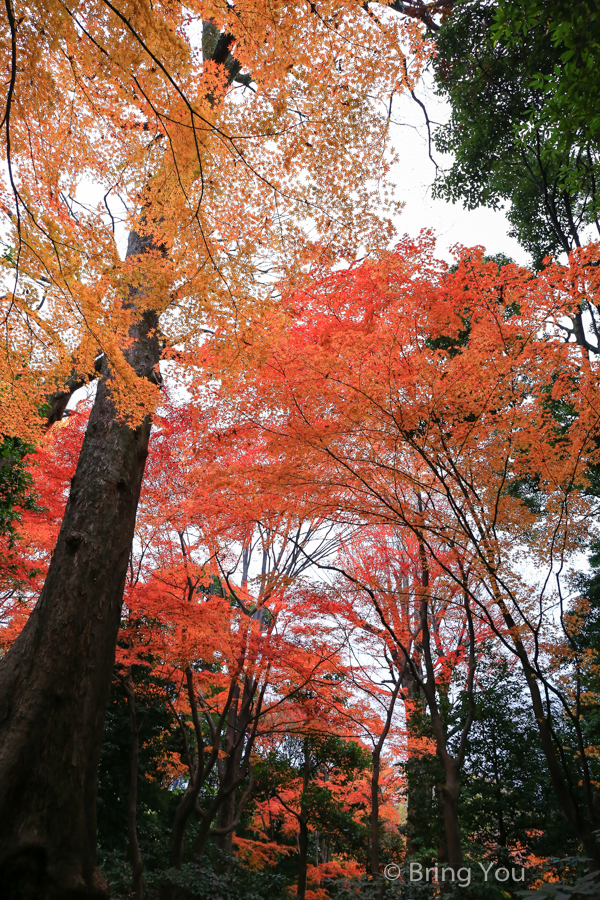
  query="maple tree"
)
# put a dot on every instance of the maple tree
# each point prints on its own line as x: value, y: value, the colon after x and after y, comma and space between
x: 507, y: 802
x: 315, y: 782
x: 189, y: 622
x: 220, y: 154
x: 213, y: 631
x: 208, y: 486
x: 444, y: 403
x: 376, y: 673
x: 430, y: 639
x: 186, y: 192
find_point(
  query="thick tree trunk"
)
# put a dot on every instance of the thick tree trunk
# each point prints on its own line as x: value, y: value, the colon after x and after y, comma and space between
x: 224, y: 835
x: 55, y: 680
x: 236, y: 728
x: 184, y: 810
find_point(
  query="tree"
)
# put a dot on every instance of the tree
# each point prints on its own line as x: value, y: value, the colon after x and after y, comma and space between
x: 431, y: 639
x: 135, y: 805
x: 399, y: 380
x: 507, y: 804
x: 310, y: 783
x: 520, y: 78
x: 216, y: 194
x: 213, y: 580
x: 375, y: 668
x: 570, y: 90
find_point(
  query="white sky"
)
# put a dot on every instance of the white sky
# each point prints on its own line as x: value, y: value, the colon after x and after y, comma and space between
x: 414, y: 176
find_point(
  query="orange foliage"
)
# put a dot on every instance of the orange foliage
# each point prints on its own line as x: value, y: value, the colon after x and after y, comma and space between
x: 117, y: 108
x: 402, y: 394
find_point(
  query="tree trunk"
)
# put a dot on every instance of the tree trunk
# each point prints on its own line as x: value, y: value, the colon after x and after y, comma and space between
x: 563, y: 789
x: 198, y: 774
x: 449, y: 793
x: 224, y: 840
x: 302, y: 860
x: 419, y: 789
x: 236, y: 729
x: 55, y: 680
x: 375, y: 773
x: 303, y: 823
x: 186, y: 806
x: 375, y: 814
x: 137, y: 863
x: 242, y: 726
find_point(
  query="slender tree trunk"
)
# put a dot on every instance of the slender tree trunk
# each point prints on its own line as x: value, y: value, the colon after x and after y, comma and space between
x: 137, y: 863
x: 374, y: 837
x: 375, y: 773
x: 450, y: 791
x: 498, y: 792
x: 226, y: 772
x: 419, y: 789
x: 55, y: 680
x: 375, y: 813
x: 302, y: 860
x: 303, y: 823
x: 241, y: 733
x: 198, y: 774
x: 584, y: 828
x: 564, y: 793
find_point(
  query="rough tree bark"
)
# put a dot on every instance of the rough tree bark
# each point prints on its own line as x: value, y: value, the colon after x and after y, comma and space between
x: 55, y: 680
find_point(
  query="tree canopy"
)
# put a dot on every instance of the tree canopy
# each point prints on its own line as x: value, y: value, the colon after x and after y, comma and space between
x: 293, y: 602
x: 523, y: 127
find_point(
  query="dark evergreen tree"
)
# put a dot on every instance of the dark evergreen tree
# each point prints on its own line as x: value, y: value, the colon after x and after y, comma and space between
x: 516, y: 141
x: 507, y: 802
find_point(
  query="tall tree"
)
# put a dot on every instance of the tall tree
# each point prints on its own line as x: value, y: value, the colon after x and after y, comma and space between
x: 400, y: 379
x: 431, y: 636
x: 214, y: 186
x: 521, y: 80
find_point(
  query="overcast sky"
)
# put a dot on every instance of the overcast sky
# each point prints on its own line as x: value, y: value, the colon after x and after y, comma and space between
x: 414, y: 176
